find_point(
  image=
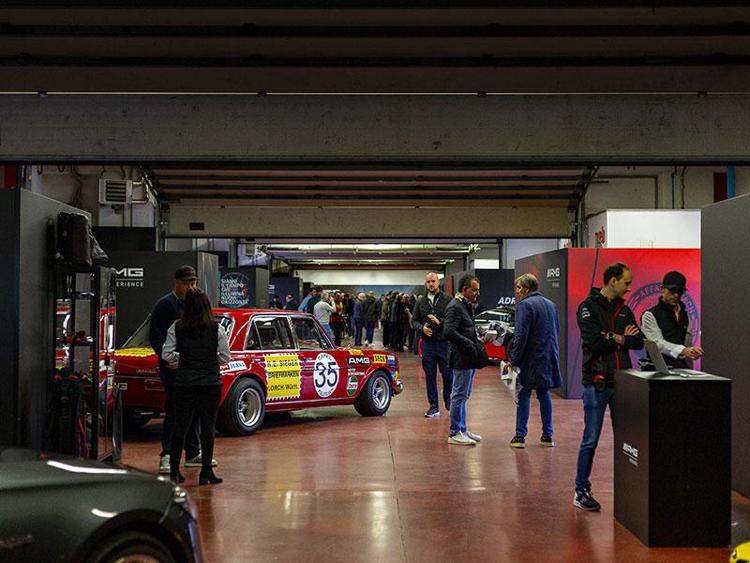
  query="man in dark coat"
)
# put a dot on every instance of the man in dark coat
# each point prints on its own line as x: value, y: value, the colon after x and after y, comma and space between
x: 466, y: 354
x: 166, y: 311
x: 608, y: 332
x: 535, y: 352
x: 427, y: 320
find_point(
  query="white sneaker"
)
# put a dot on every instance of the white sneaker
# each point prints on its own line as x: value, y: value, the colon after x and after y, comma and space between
x: 197, y: 461
x: 367, y: 344
x: 164, y: 464
x: 461, y: 439
x: 476, y: 437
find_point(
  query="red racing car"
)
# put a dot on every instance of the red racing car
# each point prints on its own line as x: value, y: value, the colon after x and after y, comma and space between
x: 281, y: 361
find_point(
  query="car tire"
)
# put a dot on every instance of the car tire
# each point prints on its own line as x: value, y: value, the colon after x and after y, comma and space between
x: 130, y: 546
x: 243, y: 409
x: 375, y: 397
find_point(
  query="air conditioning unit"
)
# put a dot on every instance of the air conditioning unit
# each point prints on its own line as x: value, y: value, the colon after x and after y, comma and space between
x: 122, y: 192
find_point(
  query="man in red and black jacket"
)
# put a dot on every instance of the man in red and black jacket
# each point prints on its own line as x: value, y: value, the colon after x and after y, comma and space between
x: 608, y: 332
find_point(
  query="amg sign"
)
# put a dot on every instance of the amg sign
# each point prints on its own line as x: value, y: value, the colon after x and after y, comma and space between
x: 129, y: 277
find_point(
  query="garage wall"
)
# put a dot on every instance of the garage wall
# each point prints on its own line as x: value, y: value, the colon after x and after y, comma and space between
x: 649, y: 187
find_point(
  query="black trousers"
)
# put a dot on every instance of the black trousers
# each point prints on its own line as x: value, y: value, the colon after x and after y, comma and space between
x: 192, y: 439
x: 201, y: 401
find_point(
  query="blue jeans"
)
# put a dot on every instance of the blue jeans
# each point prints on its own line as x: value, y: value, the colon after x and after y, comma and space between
x: 435, y: 354
x: 369, y: 331
x: 594, y: 404
x: 329, y: 331
x: 463, y: 380
x: 522, y: 411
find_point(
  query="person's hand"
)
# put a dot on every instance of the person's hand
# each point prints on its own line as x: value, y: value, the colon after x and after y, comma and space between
x: 632, y: 330
x: 692, y: 352
x: 619, y: 339
x: 433, y: 319
x: 427, y: 330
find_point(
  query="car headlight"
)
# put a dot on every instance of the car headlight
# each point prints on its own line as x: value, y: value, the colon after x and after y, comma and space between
x: 182, y: 499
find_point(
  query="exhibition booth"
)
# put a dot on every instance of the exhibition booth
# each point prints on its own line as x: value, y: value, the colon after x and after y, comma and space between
x: 566, y: 277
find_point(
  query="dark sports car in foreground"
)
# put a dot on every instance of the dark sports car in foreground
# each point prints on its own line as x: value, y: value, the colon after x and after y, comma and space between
x: 72, y: 510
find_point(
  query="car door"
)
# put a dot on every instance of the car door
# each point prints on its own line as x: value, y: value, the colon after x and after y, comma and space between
x: 271, y: 345
x: 323, y: 377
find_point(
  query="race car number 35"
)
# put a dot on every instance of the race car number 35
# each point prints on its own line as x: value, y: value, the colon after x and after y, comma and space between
x: 325, y: 375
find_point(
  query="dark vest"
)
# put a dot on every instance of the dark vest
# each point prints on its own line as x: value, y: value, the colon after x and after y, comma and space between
x: 672, y: 330
x: 198, y: 363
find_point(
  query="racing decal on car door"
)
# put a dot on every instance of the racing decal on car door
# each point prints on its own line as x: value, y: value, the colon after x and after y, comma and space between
x: 378, y: 358
x: 283, y: 376
x: 325, y: 375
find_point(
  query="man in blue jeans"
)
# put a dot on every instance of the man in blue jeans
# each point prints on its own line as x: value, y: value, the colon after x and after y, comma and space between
x: 466, y: 354
x: 608, y: 332
x: 535, y: 352
x: 427, y: 321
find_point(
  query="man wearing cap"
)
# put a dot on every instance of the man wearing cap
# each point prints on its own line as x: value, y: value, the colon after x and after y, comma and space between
x: 668, y: 324
x: 166, y: 311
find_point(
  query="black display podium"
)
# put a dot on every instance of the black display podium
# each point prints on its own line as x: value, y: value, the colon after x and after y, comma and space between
x: 672, y: 458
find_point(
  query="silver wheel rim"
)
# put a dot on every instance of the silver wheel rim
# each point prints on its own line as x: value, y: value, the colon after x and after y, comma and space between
x: 249, y: 406
x: 137, y: 558
x: 381, y: 394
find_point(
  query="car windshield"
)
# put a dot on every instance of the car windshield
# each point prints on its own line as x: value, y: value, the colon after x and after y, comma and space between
x: 139, y: 338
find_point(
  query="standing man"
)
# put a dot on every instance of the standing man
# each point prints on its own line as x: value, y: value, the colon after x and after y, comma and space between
x: 608, y: 331
x: 166, y: 311
x: 429, y: 314
x: 323, y: 310
x: 536, y: 353
x: 669, y: 326
x: 291, y: 304
x: 358, y: 318
x: 310, y: 295
x: 466, y: 354
x: 371, y: 315
x: 310, y: 307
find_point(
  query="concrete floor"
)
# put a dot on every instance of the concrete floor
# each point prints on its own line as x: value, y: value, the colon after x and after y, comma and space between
x: 330, y: 485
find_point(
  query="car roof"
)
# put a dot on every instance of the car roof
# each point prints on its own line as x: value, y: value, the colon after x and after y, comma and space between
x: 227, y: 310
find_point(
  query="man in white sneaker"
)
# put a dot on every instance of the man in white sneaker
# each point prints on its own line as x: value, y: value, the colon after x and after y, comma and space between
x: 466, y: 354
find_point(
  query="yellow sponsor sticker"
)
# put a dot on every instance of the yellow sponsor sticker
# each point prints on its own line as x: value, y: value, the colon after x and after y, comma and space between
x: 356, y: 353
x: 378, y: 358
x: 134, y: 352
x: 283, y: 376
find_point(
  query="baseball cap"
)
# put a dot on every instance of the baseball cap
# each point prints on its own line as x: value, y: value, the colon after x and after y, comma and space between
x: 185, y: 273
x: 674, y: 280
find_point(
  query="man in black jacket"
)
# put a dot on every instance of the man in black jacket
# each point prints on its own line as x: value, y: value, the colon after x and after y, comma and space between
x: 466, y: 354
x: 166, y: 311
x: 608, y: 332
x: 429, y: 313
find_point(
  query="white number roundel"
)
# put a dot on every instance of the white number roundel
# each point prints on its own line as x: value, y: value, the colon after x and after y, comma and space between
x: 325, y: 375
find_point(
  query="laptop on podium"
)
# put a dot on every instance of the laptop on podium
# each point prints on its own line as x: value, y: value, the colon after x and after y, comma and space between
x: 661, y: 365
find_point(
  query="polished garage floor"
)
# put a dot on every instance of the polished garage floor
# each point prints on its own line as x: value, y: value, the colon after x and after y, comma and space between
x: 330, y: 485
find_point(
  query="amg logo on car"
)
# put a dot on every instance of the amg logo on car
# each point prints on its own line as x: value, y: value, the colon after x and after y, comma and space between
x: 359, y: 360
x: 630, y: 450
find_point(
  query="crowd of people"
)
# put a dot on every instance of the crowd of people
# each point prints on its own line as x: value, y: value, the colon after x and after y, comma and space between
x: 353, y: 318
